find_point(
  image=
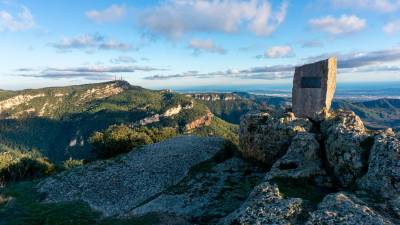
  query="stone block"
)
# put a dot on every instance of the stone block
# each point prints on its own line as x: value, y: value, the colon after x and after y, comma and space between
x: 313, y: 89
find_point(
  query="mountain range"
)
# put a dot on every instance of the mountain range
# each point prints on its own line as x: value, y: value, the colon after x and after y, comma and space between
x: 58, y: 121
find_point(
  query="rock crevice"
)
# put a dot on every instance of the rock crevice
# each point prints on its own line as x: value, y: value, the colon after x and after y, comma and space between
x: 338, y: 153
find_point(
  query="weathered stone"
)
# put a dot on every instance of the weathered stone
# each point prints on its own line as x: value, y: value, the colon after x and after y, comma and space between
x: 301, y: 161
x: 313, y: 89
x: 346, y: 146
x: 383, y: 176
x: 114, y: 187
x: 266, y: 205
x: 265, y: 137
x: 346, y: 209
x: 209, y: 194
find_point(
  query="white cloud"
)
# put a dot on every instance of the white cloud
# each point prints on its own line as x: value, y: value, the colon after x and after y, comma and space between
x: 83, y: 41
x: 392, y: 27
x: 264, y: 73
x: 174, y: 18
x: 199, y: 45
x: 344, y: 24
x: 22, y: 21
x: 376, y: 5
x: 123, y: 59
x: 111, y: 14
x: 115, y: 45
x: 91, y: 42
x: 279, y: 52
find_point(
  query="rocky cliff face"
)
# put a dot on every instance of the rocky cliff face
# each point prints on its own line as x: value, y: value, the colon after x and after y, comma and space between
x: 46, y: 102
x: 202, y: 121
x: 338, y: 153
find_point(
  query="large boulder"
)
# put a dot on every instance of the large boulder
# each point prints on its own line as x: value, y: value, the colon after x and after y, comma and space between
x: 115, y: 187
x: 301, y: 161
x: 345, y: 209
x: 383, y: 176
x: 347, y: 146
x: 266, y: 205
x: 265, y: 137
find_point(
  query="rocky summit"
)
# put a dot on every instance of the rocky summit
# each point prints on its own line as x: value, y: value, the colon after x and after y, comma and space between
x: 336, y: 170
x: 287, y: 171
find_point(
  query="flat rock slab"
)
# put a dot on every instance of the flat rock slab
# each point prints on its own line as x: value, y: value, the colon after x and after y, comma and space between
x: 115, y: 187
x: 208, y: 195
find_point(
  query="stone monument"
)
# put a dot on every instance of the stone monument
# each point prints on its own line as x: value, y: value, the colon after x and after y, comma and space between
x: 313, y: 89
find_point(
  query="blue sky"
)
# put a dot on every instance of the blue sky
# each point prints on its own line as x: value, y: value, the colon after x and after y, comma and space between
x: 170, y: 43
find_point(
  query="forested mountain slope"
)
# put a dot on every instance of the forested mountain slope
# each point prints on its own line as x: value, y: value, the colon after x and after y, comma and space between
x: 58, y: 121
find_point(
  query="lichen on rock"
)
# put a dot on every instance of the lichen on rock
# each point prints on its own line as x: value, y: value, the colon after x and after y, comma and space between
x: 265, y: 137
x: 347, y: 209
x: 266, y: 205
x: 344, y: 134
x: 383, y: 176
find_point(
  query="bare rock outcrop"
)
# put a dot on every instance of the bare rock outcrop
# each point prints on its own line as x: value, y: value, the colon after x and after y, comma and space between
x: 206, y: 195
x: 205, y: 120
x: 346, y: 146
x: 345, y: 209
x: 266, y: 205
x: 265, y: 137
x: 115, y: 187
x: 324, y: 157
x: 301, y: 161
x: 383, y: 176
x: 18, y: 100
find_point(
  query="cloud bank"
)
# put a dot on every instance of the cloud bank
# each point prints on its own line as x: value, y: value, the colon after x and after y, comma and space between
x: 174, y: 18
x: 85, y: 72
x: 91, y: 42
x: 373, y: 61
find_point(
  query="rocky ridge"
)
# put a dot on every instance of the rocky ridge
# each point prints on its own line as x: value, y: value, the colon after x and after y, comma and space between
x: 330, y: 172
x: 360, y: 168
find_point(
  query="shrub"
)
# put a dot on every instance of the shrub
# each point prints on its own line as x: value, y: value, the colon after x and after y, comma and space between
x: 116, y: 140
x: 17, y: 165
x: 158, y: 134
x: 119, y: 139
x: 72, y: 163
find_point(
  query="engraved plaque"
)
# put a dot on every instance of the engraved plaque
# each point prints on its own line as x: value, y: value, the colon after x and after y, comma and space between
x: 310, y: 82
x: 314, y: 86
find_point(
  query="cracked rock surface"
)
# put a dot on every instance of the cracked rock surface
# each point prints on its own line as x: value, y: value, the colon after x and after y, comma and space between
x: 344, y: 208
x: 116, y: 186
x: 266, y: 205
